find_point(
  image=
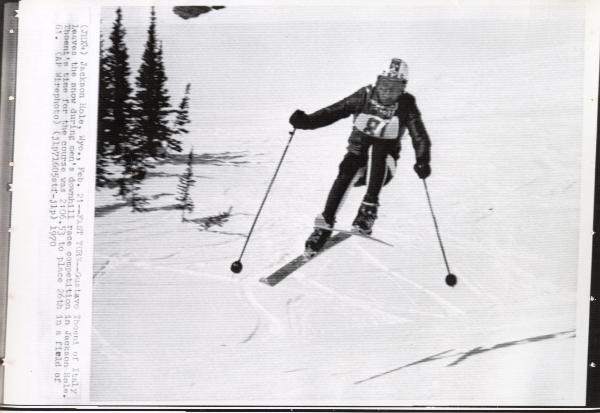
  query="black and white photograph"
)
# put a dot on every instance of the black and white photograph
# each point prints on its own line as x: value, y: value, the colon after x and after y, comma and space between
x: 346, y: 204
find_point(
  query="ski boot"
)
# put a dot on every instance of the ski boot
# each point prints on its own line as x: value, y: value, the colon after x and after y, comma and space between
x: 319, y: 236
x: 367, y: 214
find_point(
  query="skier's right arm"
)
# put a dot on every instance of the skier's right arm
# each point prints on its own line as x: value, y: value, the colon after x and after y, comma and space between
x: 330, y: 114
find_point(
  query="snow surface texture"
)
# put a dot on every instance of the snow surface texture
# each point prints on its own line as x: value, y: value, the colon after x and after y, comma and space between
x: 363, y: 323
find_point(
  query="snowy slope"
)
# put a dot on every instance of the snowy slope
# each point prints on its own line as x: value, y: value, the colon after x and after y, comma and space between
x: 362, y: 323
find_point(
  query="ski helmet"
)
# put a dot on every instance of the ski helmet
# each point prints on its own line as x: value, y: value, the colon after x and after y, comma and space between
x: 394, y: 78
x: 398, y: 69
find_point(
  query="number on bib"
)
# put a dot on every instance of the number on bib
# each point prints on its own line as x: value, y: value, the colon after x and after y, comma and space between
x: 372, y: 125
x: 376, y: 126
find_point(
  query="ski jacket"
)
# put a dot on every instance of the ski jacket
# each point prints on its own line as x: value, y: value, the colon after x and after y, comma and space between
x: 371, y: 121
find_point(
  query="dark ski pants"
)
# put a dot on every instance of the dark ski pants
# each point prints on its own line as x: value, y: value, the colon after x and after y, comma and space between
x: 372, y: 156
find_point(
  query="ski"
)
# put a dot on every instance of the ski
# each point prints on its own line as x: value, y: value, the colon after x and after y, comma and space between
x: 357, y: 234
x: 300, y: 260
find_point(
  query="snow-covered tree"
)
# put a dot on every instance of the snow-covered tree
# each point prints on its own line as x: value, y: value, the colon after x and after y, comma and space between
x: 182, y: 119
x: 186, y: 181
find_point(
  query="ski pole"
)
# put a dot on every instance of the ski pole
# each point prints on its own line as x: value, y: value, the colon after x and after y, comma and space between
x: 450, y: 278
x: 237, y: 266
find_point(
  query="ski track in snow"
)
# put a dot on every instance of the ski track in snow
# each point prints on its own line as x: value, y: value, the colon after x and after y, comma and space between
x: 253, y: 333
x: 101, y: 270
x: 501, y: 258
x: 105, y: 347
x: 292, y: 315
x: 369, y: 307
x: 144, y: 265
x: 452, y: 309
x: 275, y: 325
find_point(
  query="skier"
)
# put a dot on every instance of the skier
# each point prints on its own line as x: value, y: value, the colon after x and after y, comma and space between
x: 381, y: 114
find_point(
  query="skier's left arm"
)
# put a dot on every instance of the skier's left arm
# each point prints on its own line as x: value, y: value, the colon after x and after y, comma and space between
x: 420, y: 140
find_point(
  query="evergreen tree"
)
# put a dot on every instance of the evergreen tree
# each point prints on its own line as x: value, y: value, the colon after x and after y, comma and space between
x: 102, y: 172
x: 186, y: 181
x: 115, y: 104
x: 182, y: 118
x: 138, y: 203
x: 116, y: 142
x: 102, y: 143
x: 135, y: 167
x: 152, y: 100
x: 134, y: 172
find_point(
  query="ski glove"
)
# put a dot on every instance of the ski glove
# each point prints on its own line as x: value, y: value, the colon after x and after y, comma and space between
x: 423, y: 170
x: 299, y: 119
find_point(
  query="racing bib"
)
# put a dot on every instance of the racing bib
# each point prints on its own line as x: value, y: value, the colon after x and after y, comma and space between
x: 377, y: 126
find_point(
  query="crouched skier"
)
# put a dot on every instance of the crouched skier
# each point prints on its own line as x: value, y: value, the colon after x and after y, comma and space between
x: 381, y: 115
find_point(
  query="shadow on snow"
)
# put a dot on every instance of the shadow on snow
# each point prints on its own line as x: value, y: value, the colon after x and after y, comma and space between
x: 462, y: 356
x: 221, y: 159
x: 107, y: 209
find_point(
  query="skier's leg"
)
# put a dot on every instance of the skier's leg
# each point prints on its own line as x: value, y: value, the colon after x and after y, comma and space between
x: 347, y: 170
x: 376, y: 174
x: 377, y: 171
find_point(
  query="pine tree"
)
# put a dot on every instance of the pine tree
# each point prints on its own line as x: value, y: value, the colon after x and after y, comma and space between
x: 138, y: 203
x: 182, y: 119
x: 186, y: 181
x: 102, y: 143
x: 102, y: 172
x: 152, y: 100
x: 134, y: 172
x: 115, y: 103
x: 116, y: 142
